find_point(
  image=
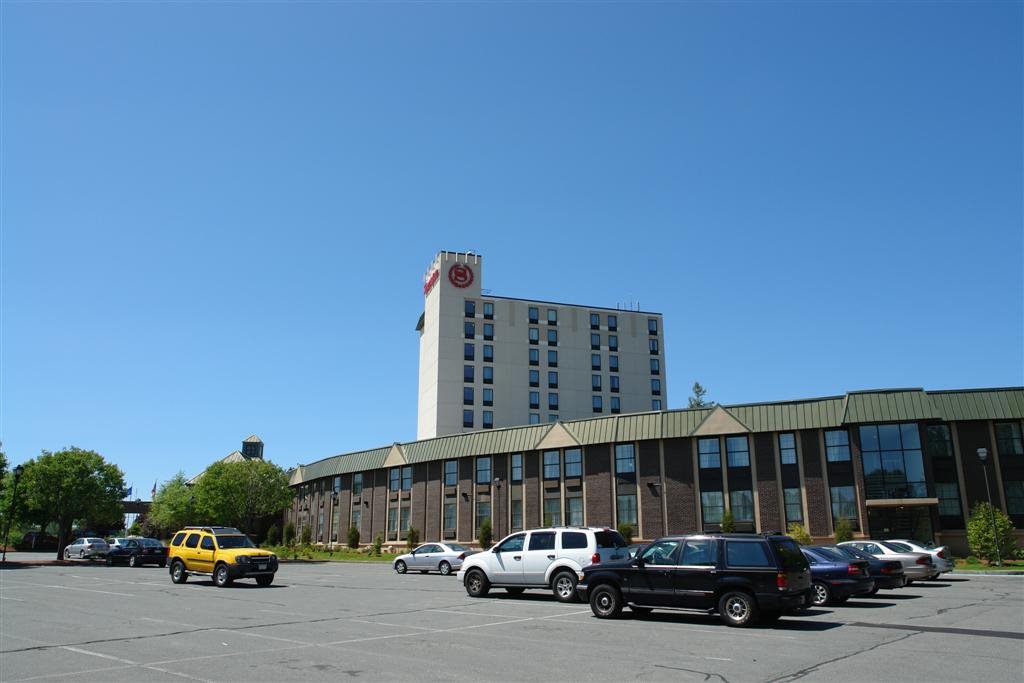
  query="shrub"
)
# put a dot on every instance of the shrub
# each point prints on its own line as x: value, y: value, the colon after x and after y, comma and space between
x: 799, y: 533
x: 307, y: 535
x: 972, y: 559
x: 273, y: 535
x: 843, y: 530
x: 289, y: 533
x: 728, y: 522
x: 377, y: 542
x: 985, y: 543
x: 485, y: 535
x: 353, y: 536
x: 412, y: 538
x: 626, y: 530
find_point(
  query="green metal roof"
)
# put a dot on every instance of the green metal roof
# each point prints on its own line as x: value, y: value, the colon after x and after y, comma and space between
x: 887, y: 405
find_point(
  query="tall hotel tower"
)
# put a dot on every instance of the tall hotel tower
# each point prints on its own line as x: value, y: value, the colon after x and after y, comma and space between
x: 488, y: 361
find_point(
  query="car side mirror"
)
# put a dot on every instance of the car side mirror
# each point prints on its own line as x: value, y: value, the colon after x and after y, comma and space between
x: 638, y: 562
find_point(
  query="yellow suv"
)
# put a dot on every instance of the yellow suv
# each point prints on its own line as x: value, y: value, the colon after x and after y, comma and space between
x: 223, y: 552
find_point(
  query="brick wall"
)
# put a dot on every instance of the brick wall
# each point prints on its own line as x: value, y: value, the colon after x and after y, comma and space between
x: 598, y: 485
x: 770, y: 508
x: 679, y: 489
x: 818, y: 502
x: 649, y: 497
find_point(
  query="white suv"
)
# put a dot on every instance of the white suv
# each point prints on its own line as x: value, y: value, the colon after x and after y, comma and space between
x: 541, y: 558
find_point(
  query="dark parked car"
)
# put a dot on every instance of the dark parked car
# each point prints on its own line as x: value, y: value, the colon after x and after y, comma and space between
x: 35, y: 540
x: 744, y: 577
x: 138, y: 551
x: 836, y: 577
x: 886, y: 574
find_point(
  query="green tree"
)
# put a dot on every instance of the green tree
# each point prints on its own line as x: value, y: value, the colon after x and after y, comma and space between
x: 485, y: 535
x: 273, y: 535
x: 289, y: 533
x: 843, y: 530
x: 698, y: 400
x: 307, y: 535
x: 172, y: 505
x: 983, y: 541
x: 728, y: 522
x: 412, y: 538
x: 72, y: 485
x: 626, y: 531
x: 799, y: 533
x: 353, y: 536
x: 239, y: 493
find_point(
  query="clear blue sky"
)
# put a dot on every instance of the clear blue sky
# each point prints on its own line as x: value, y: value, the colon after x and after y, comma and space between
x: 216, y: 216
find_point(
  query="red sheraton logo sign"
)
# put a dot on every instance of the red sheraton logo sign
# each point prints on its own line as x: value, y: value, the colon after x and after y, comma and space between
x: 460, y: 275
x: 431, y: 281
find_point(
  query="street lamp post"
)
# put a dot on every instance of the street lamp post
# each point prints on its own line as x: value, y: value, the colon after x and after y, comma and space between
x: 983, y: 456
x: 11, y: 509
x: 497, y: 514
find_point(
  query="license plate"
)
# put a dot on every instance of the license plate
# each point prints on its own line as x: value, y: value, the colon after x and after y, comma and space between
x: 261, y: 567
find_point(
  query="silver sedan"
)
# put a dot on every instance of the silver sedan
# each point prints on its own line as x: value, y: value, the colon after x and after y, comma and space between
x: 86, y: 548
x: 940, y: 554
x: 916, y: 566
x: 439, y: 557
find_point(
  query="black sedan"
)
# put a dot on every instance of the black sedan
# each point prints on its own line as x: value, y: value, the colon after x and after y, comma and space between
x: 836, y: 577
x: 886, y: 573
x: 138, y: 551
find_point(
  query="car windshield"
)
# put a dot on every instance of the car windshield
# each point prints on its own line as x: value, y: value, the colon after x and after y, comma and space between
x: 898, y: 547
x: 850, y: 551
x: 831, y: 554
x: 457, y: 547
x: 151, y: 543
x: 609, y: 539
x: 789, y: 552
x: 234, y: 542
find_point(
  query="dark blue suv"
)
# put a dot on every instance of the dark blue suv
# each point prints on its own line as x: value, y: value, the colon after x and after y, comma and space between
x: 743, y: 577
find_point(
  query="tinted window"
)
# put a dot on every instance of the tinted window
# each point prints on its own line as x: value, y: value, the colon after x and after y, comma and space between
x: 573, y: 539
x: 207, y: 543
x: 698, y: 552
x: 661, y: 553
x: 789, y: 554
x: 193, y: 541
x: 457, y: 548
x: 178, y: 537
x: 514, y: 544
x: 899, y: 547
x: 610, y: 539
x: 746, y: 554
x: 830, y: 555
x: 542, y: 540
x: 151, y: 543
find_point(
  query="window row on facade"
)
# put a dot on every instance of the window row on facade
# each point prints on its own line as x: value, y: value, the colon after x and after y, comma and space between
x: 610, y: 322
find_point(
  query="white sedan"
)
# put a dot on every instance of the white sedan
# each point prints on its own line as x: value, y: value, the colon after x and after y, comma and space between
x: 916, y: 566
x: 438, y: 557
x: 940, y: 554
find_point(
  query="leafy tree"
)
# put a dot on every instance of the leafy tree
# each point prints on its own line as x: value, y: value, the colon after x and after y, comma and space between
x: 843, y: 530
x: 273, y: 535
x: 980, y: 537
x: 172, y: 505
x: 353, y: 536
x: 412, y: 538
x: 728, y: 522
x: 626, y: 530
x: 69, y: 486
x: 377, y: 542
x: 485, y: 535
x: 698, y: 400
x: 239, y: 493
x: 799, y: 533
x: 307, y: 535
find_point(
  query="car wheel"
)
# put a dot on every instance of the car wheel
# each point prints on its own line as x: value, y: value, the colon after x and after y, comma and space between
x: 563, y: 585
x: 445, y: 568
x: 133, y: 561
x: 400, y: 567
x: 178, y: 573
x: 605, y: 602
x: 821, y: 594
x: 81, y: 554
x: 514, y: 590
x: 477, y: 584
x: 265, y: 580
x: 67, y: 554
x: 221, y: 577
x: 737, y: 608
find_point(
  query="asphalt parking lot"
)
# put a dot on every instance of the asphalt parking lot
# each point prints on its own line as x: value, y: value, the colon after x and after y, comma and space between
x: 336, y: 621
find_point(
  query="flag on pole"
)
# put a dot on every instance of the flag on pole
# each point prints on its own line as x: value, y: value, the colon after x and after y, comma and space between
x: 152, y: 493
x: 129, y: 495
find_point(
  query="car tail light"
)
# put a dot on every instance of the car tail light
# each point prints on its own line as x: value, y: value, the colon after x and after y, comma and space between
x: 461, y: 556
x: 782, y: 581
x: 887, y: 569
x: 942, y: 553
x: 923, y: 560
x: 595, y: 558
x: 853, y: 569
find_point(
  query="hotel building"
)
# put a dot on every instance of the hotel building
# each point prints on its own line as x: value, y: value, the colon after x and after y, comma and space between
x: 488, y: 362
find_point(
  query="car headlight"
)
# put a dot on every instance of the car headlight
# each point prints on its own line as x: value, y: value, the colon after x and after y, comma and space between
x: 242, y: 559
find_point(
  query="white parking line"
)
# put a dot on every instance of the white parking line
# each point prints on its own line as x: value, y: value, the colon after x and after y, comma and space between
x: 97, y: 654
x: 71, y: 588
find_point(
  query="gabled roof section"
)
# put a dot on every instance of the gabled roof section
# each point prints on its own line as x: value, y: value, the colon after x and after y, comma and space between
x: 557, y: 437
x: 720, y: 421
x: 678, y: 423
x: 396, y: 457
x: 253, y: 439
x: 889, y: 405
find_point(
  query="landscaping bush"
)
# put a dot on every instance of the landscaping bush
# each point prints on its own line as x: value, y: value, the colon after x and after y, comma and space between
x: 843, y: 530
x: 273, y: 535
x: 626, y: 530
x: 412, y: 538
x: 353, y: 536
x: 289, y: 533
x: 307, y: 535
x: 485, y: 535
x: 728, y: 522
x: 799, y: 533
x: 980, y: 537
x: 377, y: 543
